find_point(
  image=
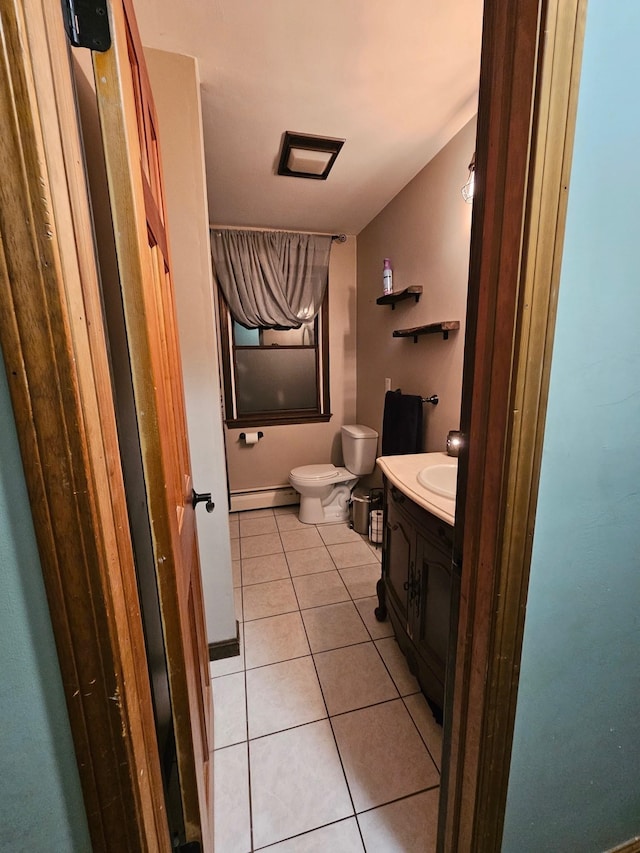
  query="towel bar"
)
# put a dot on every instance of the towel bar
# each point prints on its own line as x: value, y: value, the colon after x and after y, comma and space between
x: 433, y: 399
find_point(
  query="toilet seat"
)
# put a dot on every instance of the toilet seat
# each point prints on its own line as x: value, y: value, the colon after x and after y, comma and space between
x: 315, y: 472
x: 321, y: 474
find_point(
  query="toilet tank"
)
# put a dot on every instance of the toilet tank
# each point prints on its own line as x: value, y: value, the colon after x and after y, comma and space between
x: 359, y: 447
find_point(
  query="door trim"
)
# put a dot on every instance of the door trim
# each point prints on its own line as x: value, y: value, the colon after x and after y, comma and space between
x: 53, y: 341
x: 531, y: 59
x: 136, y: 215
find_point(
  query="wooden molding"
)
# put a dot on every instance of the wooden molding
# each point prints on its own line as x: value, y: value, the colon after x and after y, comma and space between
x: 132, y: 157
x: 528, y: 90
x: 631, y: 846
x: 225, y: 648
x: 55, y: 355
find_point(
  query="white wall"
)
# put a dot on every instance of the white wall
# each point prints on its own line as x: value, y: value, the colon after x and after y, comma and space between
x: 425, y: 230
x: 176, y: 91
x: 574, y: 781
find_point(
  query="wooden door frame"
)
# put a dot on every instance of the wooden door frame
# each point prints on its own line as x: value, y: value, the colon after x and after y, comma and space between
x: 55, y: 355
x: 531, y: 60
x: 137, y: 209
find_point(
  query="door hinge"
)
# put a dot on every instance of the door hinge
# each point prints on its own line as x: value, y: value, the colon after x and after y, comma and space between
x: 87, y: 23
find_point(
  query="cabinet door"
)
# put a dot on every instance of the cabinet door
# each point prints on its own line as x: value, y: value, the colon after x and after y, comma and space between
x: 431, y: 610
x: 398, y: 556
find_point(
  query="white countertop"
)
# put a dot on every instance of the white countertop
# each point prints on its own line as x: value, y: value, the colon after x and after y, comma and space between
x: 402, y: 471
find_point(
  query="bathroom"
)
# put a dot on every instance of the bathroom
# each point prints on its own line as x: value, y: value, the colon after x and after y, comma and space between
x: 424, y: 228
x: 572, y: 778
x: 425, y: 231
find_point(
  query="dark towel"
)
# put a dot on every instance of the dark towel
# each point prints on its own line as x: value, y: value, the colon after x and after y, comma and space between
x: 401, y: 424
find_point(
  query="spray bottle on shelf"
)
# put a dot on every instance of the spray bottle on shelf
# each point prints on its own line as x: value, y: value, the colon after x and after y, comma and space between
x: 387, y: 277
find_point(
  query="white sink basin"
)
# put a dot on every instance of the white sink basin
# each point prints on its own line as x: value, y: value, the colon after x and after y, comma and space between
x: 440, y: 479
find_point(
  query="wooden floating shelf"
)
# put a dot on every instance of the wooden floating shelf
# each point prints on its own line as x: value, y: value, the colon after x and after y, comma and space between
x: 399, y: 295
x: 431, y: 329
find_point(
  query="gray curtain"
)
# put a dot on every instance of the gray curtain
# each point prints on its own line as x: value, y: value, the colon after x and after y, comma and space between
x: 271, y: 278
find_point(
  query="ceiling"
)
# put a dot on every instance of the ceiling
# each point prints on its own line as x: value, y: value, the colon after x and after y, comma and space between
x: 395, y: 80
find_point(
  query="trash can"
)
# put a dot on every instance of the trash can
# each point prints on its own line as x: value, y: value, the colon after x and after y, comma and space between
x: 375, y: 516
x: 359, y: 511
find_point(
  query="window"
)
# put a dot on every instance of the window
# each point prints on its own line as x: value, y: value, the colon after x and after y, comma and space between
x: 275, y: 376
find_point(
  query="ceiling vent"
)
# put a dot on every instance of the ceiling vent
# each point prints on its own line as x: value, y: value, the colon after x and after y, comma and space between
x: 306, y: 156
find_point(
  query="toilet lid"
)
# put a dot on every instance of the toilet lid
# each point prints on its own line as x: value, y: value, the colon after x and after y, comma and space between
x: 315, y: 472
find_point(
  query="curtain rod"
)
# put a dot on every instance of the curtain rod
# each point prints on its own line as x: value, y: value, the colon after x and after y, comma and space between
x: 340, y: 238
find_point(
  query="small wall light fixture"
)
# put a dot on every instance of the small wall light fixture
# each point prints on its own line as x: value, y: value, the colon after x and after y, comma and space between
x: 468, y: 188
x: 306, y: 156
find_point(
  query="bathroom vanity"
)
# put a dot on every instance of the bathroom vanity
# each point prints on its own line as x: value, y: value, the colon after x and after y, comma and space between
x: 416, y: 587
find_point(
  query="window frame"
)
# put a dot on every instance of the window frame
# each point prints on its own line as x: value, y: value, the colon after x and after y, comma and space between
x: 322, y: 411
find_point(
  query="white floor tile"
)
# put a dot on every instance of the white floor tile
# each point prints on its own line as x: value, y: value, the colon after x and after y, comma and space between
x: 268, y: 599
x: 290, y: 521
x: 232, y: 827
x: 229, y: 710
x: 406, y: 826
x: 237, y: 603
x: 295, y: 540
x: 299, y: 796
x: 287, y: 508
x: 353, y: 677
x: 361, y: 580
x: 283, y: 695
x: 257, y: 546
x: 275, y: 639
x: 333, y: 534
x: 255, y: 513
x: 270, y: 567
x: 234, y: 527
x: 397, y: 665
x: 297, y: 783
x: 316, y: 590
x: 350, y: 554
x: 334, y: 626
x: 341, y: 837
x: 253, y: 526
x: 225, y: 666
x: 366, y: 608
x: 309, y: 561
x: 383, y: 754
x: 425, y: 721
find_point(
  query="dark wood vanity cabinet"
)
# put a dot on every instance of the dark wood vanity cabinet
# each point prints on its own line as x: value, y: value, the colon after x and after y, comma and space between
x: 415, y: 588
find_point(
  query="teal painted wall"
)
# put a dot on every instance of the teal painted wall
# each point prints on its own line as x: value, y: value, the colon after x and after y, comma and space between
x: 575, y: 770
x: 41, y: 807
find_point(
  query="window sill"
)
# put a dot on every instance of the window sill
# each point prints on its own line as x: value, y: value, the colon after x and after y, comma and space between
x: 266, y: 420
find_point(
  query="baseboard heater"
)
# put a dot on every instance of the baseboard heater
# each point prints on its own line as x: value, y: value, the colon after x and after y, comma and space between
x: 263, y: 498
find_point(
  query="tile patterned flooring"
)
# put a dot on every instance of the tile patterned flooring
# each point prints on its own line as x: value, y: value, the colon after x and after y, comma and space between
x: 323, y: 741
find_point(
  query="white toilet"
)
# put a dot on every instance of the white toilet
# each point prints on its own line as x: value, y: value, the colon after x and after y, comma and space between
x: 325, y: 490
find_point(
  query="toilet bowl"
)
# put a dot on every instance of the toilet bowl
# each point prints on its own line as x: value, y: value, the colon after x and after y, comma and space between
x: 325, y: 490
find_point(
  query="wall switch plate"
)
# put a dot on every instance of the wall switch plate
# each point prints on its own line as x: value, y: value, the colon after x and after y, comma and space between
x: 387, y: 385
